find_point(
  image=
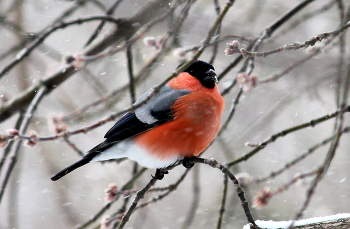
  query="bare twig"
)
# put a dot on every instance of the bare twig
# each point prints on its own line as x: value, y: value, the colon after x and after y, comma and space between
x: 232, y: 111
x: 145, y: 15
x: 15, y: 149
x: 109, y: 12
x: 264, y: 35
x: 332, y: 150
x: 263, y: 144
x: 299, y: 158
x: 272, y: 28
x: 126, y: 186
x: 225, y: 170
x: 311, y: 42
x: 217, y: 36
x: 304, y: 17
x: 140, y: 194
x: 223, y: 202
x: 195, y: 199
x: 294, y: 180
x: 169, y: 189
x: 8, y: 148
x: 26, y: 51
x: 74, y: 147
x: 298, y: 63
x: 129, y: 57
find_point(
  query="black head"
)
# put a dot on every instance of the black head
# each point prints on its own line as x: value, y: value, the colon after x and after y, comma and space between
x: 204, y: 72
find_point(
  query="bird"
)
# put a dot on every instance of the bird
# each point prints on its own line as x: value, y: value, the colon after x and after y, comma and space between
x: 177, y: 123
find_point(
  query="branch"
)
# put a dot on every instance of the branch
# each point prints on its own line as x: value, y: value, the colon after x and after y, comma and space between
x: 223, y: 202
x: 169, y: 189
x: 157, y: 7
x: 125, y: 187
x: 26, y: 51
x: 109, y: 12
x: 332, y: 150
x: 266, y: 33
x: 262, y: 145
x: 272, y: 28
x: 225, y: 170
x: 311, y: 42
x: 15, y: 149
x: 301, y: 157
x: 232, y: 111
x: 140, y: 194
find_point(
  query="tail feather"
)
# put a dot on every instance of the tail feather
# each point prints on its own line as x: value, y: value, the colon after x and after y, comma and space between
x: 86, y: 159
x: 72, y: 167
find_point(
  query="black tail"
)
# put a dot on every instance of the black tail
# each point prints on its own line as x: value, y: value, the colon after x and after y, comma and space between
x: 86, y: 159
x: 72, y: 167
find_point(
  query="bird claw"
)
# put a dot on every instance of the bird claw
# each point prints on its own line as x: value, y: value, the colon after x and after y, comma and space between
x: 186, y: 163
x: 160, y: 174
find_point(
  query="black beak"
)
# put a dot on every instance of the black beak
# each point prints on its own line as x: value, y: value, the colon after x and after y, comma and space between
x: 212, y: 73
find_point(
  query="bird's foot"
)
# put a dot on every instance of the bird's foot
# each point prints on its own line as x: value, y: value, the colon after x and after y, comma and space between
x: 160, y: 174
x: 186, y: 163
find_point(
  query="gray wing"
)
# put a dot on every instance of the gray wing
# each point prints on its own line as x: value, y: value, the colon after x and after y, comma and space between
x: 153, y: 113
x: 158, y: 108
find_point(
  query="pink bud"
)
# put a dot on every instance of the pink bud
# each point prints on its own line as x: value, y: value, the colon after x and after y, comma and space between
x: 150, y: 41
x: 33, y: 138
x: 262, y: 198
x: 12, y: 132
x: 111, y: 192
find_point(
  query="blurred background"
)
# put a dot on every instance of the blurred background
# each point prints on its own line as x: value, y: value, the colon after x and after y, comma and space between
x: 100, y: 88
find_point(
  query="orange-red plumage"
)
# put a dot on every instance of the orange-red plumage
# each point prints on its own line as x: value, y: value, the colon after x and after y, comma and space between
x: 195, y: 125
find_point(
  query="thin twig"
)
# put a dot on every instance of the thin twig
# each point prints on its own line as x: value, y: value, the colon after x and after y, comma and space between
x: 225, y: 170
x: 294, y: 180
x: 311, y: 42
x: 232, y: 111
x: 8, y: 148
x: 13, y: 156
x: 217, y: 36
x: 298, y: 63
x: 272, y: 28
x: 169, y: 189
x: 140, y: 194
x: 223, y: 202
x: 126, y: 186
x: 26, y: 51
x: 332, y: 150
x: 109, y: 12
x: 74, y: 147
x: 303, y: 18
x: 299, y: 158
x: 342, y: 51
x: 32, y: 36
x: 130, y: 66
x: 264, y: 35
x: 195, y: 199
x: 52, y: 82
x: 283, y: 133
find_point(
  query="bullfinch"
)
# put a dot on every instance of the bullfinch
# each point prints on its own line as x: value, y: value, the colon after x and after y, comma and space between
x: 177, y: 123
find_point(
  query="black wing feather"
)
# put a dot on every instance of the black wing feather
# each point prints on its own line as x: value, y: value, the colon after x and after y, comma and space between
x: 129, y: 125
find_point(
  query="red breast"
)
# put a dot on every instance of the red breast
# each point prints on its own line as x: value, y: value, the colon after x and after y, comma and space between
x: 195, y: 125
